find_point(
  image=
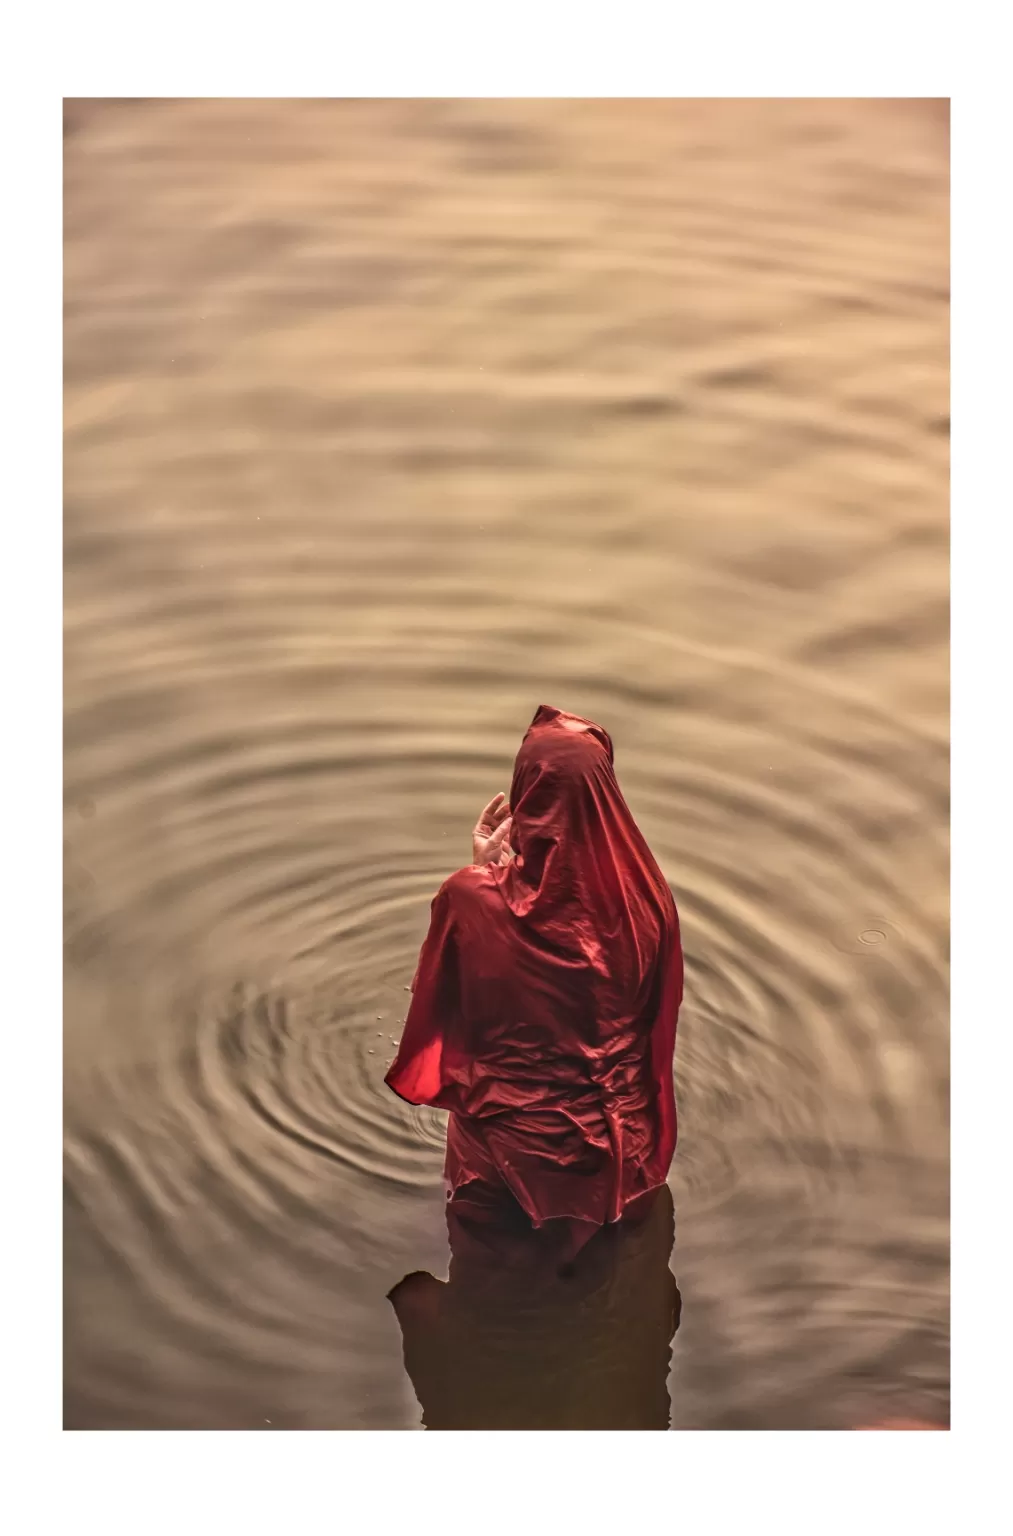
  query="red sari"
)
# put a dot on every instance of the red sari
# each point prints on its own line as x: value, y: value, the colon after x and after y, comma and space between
x: 547, y: 992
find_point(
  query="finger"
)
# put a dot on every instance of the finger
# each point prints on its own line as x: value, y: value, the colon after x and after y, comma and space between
x: 492, y: 815
x: 486, y: 818
x: 499, y: 837
x: 492, y: 847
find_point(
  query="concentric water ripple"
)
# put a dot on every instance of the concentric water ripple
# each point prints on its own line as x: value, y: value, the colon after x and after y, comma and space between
x: 662, y: 450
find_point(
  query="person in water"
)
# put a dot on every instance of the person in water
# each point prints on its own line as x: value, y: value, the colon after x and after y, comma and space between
x: 544, y: 1006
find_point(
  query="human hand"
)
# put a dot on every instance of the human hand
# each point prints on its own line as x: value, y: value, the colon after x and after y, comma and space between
x: 489, y: 839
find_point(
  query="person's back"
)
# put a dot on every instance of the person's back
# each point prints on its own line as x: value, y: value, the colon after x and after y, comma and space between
x: 547, y: 992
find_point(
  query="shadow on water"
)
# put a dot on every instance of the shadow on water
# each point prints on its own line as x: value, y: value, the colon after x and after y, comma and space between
x: 517, y: 1339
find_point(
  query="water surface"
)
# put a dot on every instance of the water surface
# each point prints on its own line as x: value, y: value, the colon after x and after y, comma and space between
x: 385, y: 423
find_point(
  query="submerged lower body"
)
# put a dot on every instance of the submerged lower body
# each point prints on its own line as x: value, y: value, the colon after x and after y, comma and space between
x: 516, y: 1339
x: 506, y: 1177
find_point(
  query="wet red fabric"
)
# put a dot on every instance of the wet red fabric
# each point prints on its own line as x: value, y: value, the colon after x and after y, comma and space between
x: 547, y: 992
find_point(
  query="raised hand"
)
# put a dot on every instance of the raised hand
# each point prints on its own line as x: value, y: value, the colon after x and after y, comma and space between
x: 489, y: 839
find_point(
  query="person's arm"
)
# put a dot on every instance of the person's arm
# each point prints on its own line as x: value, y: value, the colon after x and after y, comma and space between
x: 416, y: 1072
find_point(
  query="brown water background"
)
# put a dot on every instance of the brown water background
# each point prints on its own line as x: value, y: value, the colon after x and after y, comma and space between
x: 387, y: 421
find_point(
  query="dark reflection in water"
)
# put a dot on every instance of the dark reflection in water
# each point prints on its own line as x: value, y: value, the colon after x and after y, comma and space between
x: 520, y: 1339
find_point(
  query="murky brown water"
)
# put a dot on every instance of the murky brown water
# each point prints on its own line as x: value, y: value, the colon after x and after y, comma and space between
x: 386, y: 422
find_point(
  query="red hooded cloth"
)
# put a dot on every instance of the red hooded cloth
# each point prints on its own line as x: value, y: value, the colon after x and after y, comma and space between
x: 547, y: 992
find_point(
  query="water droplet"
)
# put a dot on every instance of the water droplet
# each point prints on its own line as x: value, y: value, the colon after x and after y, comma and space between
x: 873, y: 936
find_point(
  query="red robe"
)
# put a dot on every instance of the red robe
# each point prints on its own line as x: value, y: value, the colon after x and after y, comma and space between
x: 547, y: 992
